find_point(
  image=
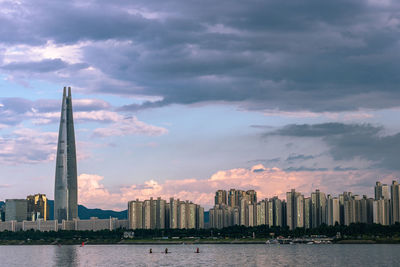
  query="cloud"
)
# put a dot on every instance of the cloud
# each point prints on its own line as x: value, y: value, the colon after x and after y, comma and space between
x: 14, y: 111
x: 45, y: 65
x: 301, y: 157
x: 268, y: 183
x: 303, y: 56
x: 27, y: 146
x: 129, y: 126
x: 350, y: 141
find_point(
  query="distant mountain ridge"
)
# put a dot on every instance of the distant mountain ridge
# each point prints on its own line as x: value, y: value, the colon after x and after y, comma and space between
x: 85, y: 213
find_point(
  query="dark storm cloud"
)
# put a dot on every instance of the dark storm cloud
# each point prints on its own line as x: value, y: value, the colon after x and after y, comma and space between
x: 325, y: 130
x: 299, y: 157
x: 350, y: 141
x: 286, y: 55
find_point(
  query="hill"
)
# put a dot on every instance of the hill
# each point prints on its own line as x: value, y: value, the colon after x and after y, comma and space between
x: 85, y: 213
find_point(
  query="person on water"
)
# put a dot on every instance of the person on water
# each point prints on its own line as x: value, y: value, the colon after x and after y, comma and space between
x: 151, y: 251
x: 166, y: 250
x: 197, y: 250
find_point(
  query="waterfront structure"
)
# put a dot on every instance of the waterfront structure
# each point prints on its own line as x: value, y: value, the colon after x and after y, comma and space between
x: 66, y: 187
x: 16, y: 210
x: 38, y: 207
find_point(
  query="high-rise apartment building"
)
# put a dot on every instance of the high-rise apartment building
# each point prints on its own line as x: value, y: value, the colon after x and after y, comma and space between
x: 381, y: 191
x: 199, y: 217
x: 66, y: 184
x: 135, y: 214
x: 182, y: 213
x: 220, y: 197
x: 262, y: 212
x: 295, y: 209
x: 333, y: 210
x: 160, y: 213
x: 173, y: 213
x: 233, y: 198
x: 395, y: 202
x: 318, y: 208
x: 307, y: 213
x: 147, y: 214
x: 251, y: 196
x: 381, y: 211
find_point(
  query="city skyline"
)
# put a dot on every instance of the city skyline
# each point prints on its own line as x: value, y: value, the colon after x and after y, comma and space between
x: 179, y: 100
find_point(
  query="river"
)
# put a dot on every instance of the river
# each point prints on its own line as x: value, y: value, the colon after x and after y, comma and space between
x: 210, y: 255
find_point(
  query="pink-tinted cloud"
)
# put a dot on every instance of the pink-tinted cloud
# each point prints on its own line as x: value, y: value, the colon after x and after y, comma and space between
x: 267, y: 182
x: 129, y: 126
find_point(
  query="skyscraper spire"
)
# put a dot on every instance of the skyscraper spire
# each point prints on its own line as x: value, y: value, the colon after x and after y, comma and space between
x: 66, y: 185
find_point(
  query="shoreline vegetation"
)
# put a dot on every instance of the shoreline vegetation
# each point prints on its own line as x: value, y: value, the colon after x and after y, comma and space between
x: 338, y: 234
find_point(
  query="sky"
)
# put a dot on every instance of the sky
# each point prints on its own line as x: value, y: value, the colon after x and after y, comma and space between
x: 182, y: 98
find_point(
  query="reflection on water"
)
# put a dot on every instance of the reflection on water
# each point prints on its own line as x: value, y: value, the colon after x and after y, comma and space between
x: 65, y: 256
x: 210, y: 255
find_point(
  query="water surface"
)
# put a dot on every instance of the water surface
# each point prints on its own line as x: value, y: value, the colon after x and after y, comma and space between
x: 210, y: 255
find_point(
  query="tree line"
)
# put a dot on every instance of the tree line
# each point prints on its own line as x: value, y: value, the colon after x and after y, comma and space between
x: 234, y: 232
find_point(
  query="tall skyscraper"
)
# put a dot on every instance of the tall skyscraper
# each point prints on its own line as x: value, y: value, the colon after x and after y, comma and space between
x: 66, y: 184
